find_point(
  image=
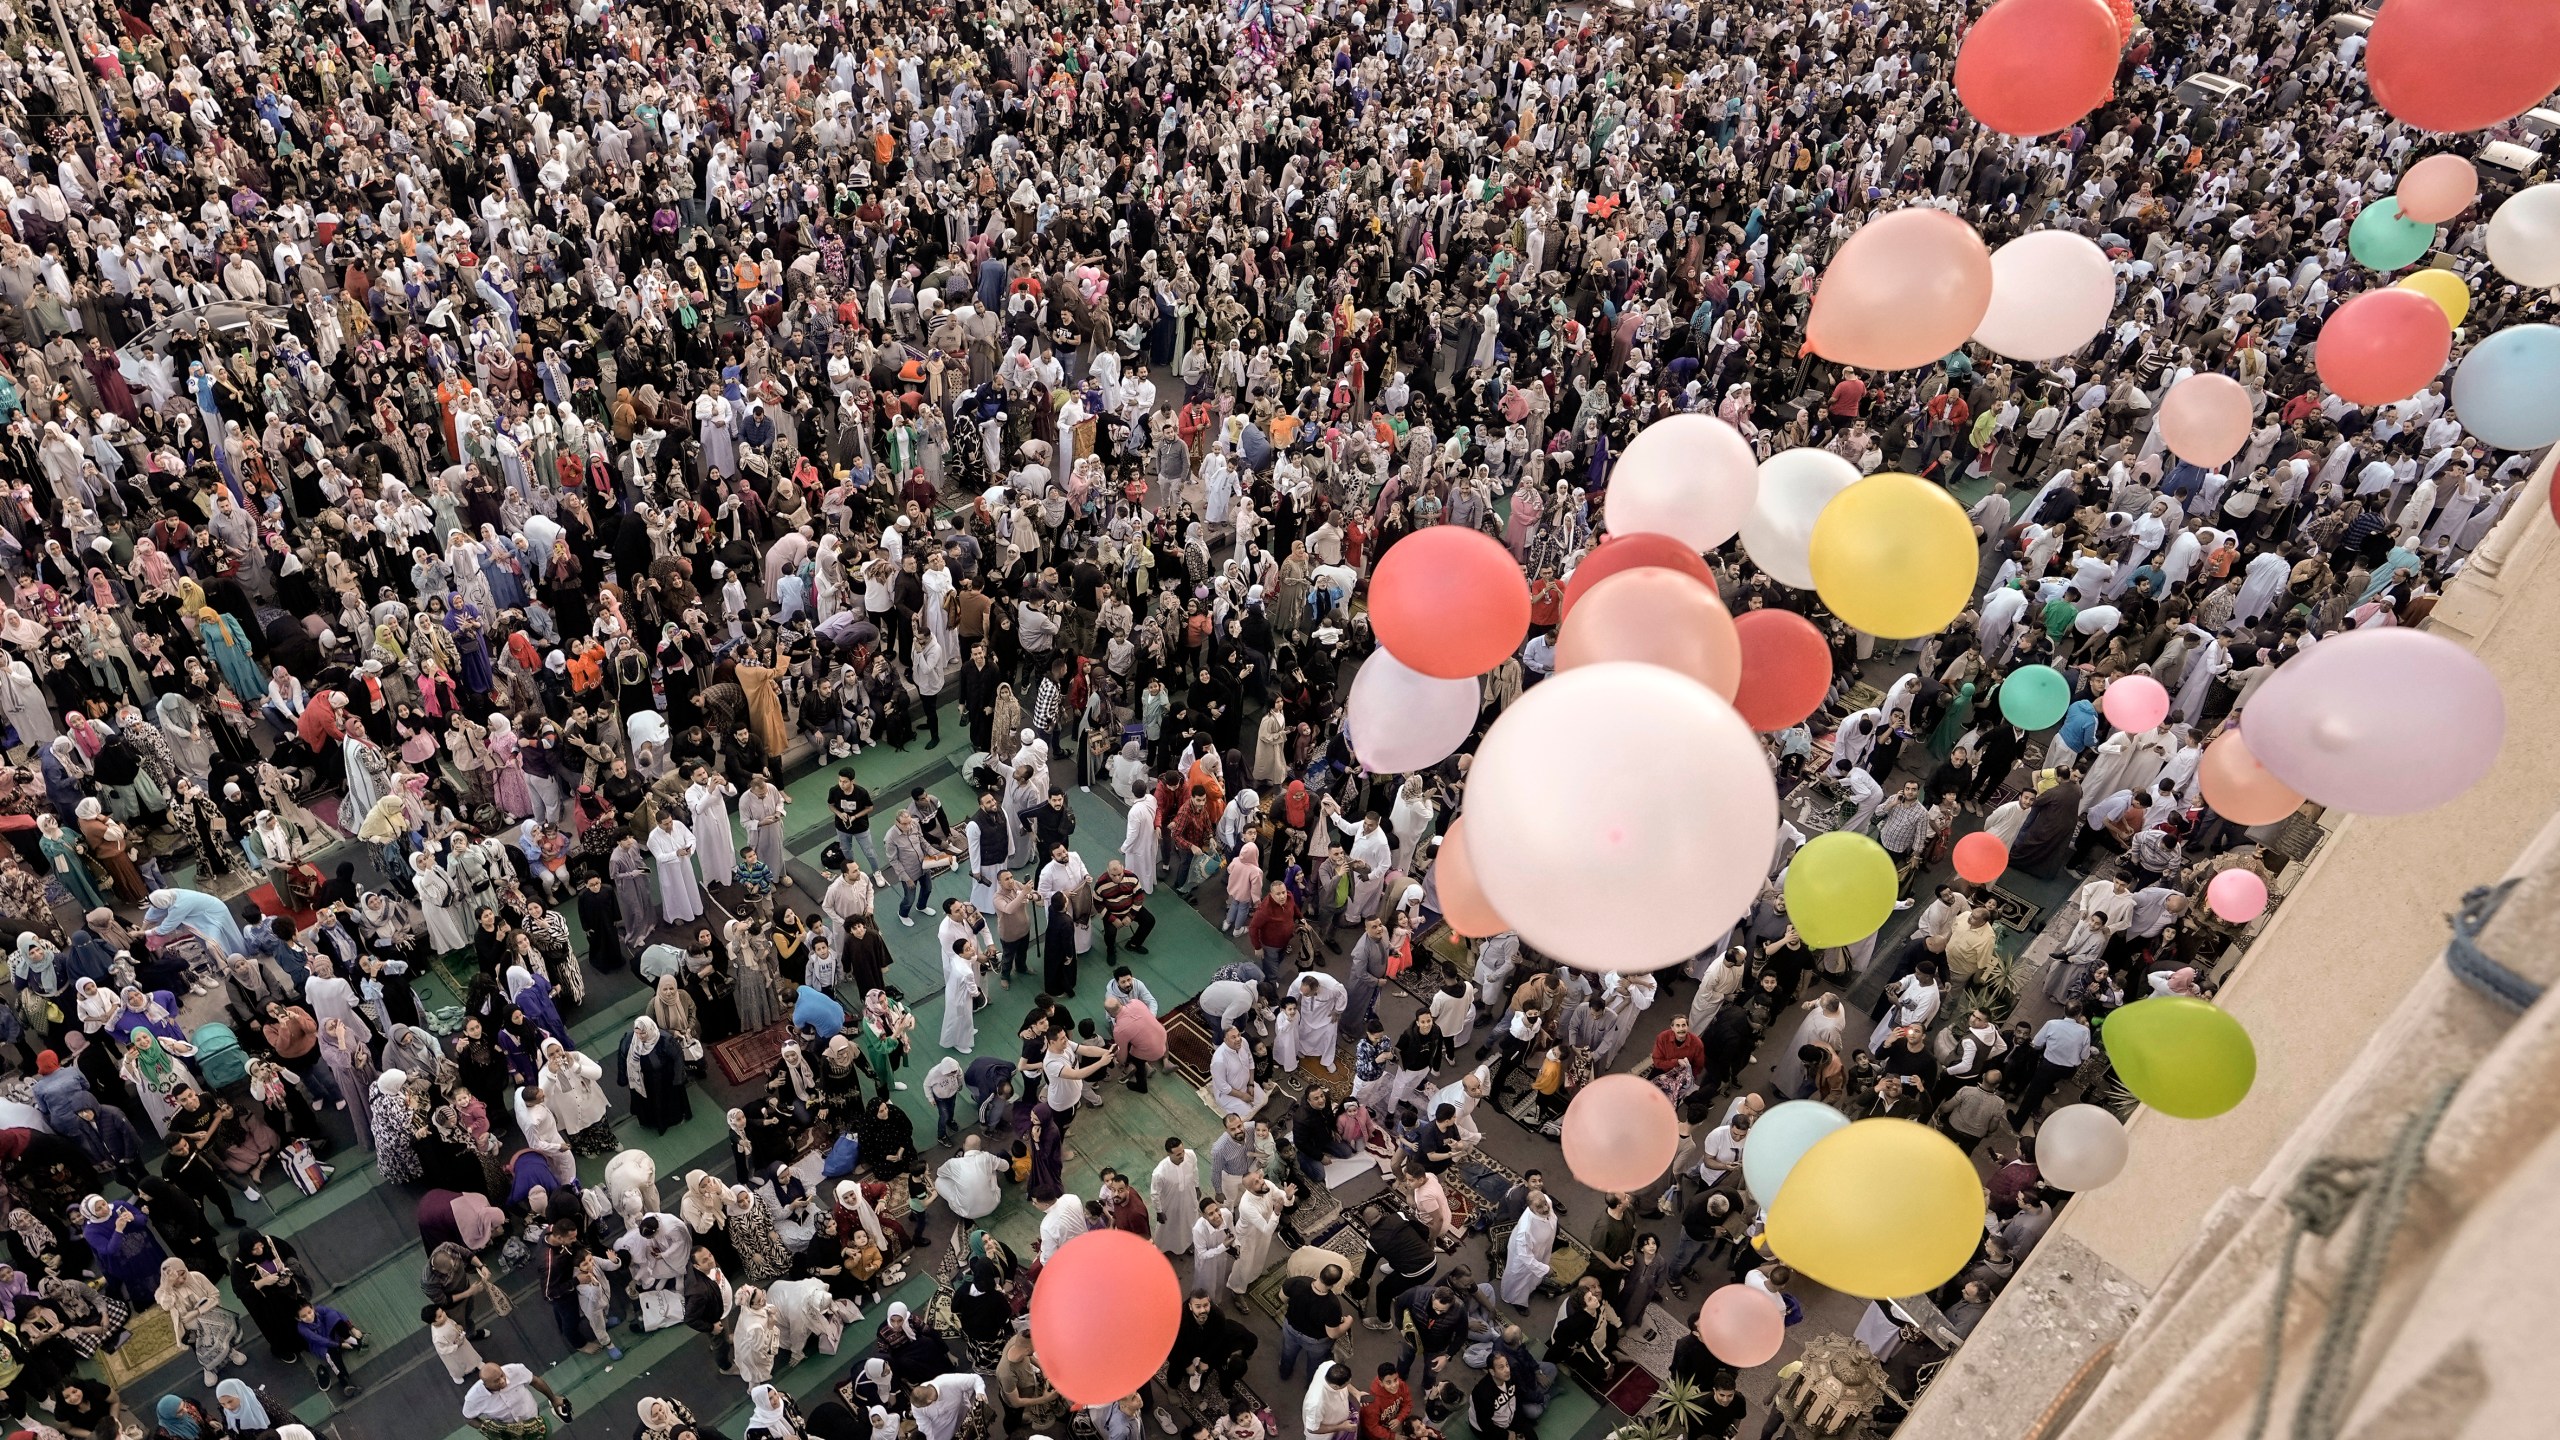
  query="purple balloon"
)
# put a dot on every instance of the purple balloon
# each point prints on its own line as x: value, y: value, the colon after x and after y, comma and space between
x: 2379, y: 722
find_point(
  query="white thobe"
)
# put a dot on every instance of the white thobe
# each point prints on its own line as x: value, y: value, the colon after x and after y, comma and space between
x: 679, y: 896
x: 1320, y: 1017
x: 959, y: 1002
x: 714, y: 852
x: 1524, y: 1260
x: 1257, y: 1231
x: 1138, y: 843
x: 1174, y: 1193
x: 1231, y: 1083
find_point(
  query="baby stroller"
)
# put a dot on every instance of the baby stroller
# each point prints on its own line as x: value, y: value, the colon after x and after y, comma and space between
x: 219, y: 1058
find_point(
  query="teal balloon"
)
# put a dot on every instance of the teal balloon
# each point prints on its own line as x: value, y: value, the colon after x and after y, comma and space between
x: 2384, y: 239
x: 1779, y: 1138
x: 2034, y: 696
x: 2507, y: 391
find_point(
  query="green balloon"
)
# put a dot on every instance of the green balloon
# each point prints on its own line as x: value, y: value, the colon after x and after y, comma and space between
x: 1840, y: 889
x: 2034, y: 696
x: 2383, y: 239
x: 2181, y: 1056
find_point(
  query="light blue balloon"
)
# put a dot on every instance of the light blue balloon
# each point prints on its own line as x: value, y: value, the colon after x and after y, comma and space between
x: 2384, y: 239
x: 2507, y: 390
x: 1779, y: 1138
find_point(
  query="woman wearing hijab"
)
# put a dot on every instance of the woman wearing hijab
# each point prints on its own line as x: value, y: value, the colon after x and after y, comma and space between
x: 395, y: 1127
x: 915, y: 1351
x: 675, y: 1012
x: 755, y: 1339
x: 182, y: 1419
x: 448, y: 1217
x: 123, y: 1248
x: 660, y: 1419
x: 775, y: 1418
x: 982, y: 1299
x: 532, y: 994
x: 833, y: 1420
x: 242, y: 1411
x: 262, y: 1275
x: 202, y: 1324
x: 761, y: 1253
x: 573, y: 1086
x: 652, y: 1069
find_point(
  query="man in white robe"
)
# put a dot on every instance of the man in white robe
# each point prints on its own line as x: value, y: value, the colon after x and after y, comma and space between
x: 1524, y: 1260
x: 1321, y: 1001
x: 960, y: 997
x: 679, y: 895
x: 660, y: 1258
x: 1231, y: 1084
x: 2261, y: 585
x: 714, y: 852
x: 1173, y: 1192
x: 1257, y: 1230
x: 1138, y: 843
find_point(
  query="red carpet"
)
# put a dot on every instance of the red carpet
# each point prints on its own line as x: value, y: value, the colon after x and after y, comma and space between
x: 746, y: 1058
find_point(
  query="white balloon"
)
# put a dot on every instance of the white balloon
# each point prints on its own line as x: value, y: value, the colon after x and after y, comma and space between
x: 2080, y: 1147
x: 1690, y: 476
x: 1402, y: 719
x: 1794, y: 486
x: 2051, y: 292
x: 1620, y: 816
x: 2524, y: 237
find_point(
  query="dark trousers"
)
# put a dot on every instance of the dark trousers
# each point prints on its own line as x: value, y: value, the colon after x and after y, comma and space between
x: 1141, y: 925
x: 574, y: 1330
x: 2040, y: 1084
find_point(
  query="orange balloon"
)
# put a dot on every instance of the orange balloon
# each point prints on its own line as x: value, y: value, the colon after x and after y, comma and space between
x: 2384, y: 346
x: 1786, y: 668
x: 1618, y: 1138
x: 2240, y: 789
x: 2031, y: 67
x: 1654, y: 616
x: 2437, y: 188
x: 2450, y: 65
x: 1103, y: 1315
x: 1462, y: 900
x: 1909, y: 288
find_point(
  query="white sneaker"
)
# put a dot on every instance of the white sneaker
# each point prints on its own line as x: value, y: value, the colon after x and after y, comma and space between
x: 250, y: 1195
x: 907, y: 920
x: 898, y: 1084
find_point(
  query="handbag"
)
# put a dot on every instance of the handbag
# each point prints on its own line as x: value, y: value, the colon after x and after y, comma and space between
x: 692, y: 1049
x: 660, y: 1309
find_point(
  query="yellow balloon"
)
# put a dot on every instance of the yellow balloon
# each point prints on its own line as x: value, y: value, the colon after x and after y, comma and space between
x: 1894, y: 556
x: 1880, y: 1209
x: 2445, y: 288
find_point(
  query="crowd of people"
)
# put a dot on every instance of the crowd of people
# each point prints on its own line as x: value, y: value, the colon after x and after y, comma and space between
x: 463, y: 463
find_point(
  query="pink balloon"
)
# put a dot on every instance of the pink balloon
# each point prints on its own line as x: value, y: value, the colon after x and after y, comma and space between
x: 2238, y: 896
x: 1909, y: 288
x: 1742, y: 1326
x: 2383, y: 346
x: 2204, y: 419
x: 2379, y: 722
x: 2438, y: 188
x: 1620, y: 1134
x: 2135, y: 703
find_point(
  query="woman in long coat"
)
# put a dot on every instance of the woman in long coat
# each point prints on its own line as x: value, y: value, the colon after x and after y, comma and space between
x: 2053, y: 818
x: 652, y: 1068
x: 764, y: 706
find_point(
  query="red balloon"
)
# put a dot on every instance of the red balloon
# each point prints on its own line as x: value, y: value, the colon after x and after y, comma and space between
x: 1462, y: 900
x: 2384, y: 346
x: 2031, y: 67
x: 1786, y: 668
x: 1980, y: 857
x: 2451, y: 65
x: 1633, y: 552
x: 2121, y: 11
x: 1451, y: 602
x: 1103, y: 1315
